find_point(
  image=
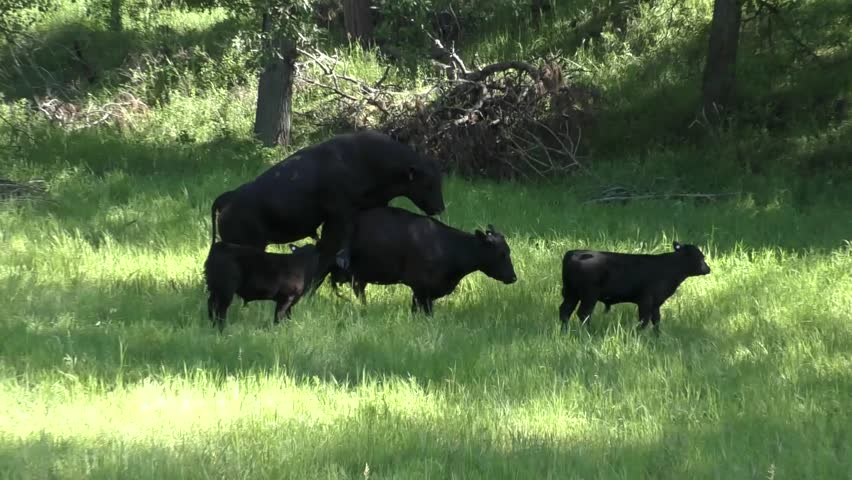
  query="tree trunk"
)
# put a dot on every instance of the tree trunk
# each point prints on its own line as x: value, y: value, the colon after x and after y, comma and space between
x: 275, y: 92
x: 358, y: 20
x: 115, y: 15
x: 720, y: 69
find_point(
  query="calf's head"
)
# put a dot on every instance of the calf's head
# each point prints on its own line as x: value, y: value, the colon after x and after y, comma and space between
x: 496, y: 256
x: 692, y: 258
x: 311, y: 249
x: 306, y: 249
x: 423, y: 186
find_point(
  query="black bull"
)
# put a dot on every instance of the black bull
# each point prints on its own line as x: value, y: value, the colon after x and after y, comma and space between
x: 326, y: 184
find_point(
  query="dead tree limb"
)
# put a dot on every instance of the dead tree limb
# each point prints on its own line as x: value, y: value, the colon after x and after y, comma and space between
x: 660, y: 196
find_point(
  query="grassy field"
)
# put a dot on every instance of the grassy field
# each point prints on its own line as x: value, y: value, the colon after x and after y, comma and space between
x: 109, y: 368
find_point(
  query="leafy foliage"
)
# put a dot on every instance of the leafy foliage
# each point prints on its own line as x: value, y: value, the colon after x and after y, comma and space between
x: 17, y: 15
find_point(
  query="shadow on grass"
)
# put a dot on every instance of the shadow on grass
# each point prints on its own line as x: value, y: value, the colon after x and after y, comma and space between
x: 557, y: 218
x: 393, y: 444
x: 77, y: 59
x: 146, y: 325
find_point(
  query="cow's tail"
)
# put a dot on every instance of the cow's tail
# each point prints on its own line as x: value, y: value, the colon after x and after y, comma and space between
x: 218, y: 203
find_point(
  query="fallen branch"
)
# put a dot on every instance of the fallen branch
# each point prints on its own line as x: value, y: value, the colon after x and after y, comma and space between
x: 489, y: 70
x: 660, y: 196
x: 32, y: 190
x: 72, y: 117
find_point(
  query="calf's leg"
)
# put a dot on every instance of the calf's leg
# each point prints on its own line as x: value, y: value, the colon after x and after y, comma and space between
x: 283, y: 305
x: 220, y: 307
x: 569, y: 303
x: 360, y: 289
x: 646, y: 311
x: 211, y: 306
x: 421, y: 302
x: 428, y: 305
x: 587, y: 306
x: 655, y: 319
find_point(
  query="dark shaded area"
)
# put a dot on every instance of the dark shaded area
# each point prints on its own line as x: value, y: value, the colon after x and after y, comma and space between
x: 393, y: 444
x: 111, y: 194
x: 79, y: 59
x: 163, y: 328
x: 446, y: 358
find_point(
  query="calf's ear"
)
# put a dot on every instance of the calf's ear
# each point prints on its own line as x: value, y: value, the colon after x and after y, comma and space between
x: 676, y: 246
x: 481, y: 235
x: 412, y: 173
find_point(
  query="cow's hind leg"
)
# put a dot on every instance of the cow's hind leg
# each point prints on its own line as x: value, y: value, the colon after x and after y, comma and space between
x: 569, y: 303
x: 587, y: 306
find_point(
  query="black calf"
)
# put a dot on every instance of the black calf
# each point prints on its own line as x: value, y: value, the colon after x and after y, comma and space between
x: 254, y: 274
x: 610, y: 278
x: 392, y: 246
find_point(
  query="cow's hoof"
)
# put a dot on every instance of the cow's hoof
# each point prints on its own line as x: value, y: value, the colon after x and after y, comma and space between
x: 342, y: 263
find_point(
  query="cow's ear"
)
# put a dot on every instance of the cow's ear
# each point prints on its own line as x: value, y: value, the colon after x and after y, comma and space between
x: 481, y: 235
x: 676, y: 246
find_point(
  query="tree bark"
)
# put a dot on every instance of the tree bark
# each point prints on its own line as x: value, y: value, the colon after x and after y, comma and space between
x: 275, y: 92
x: 115, y: 15
x: 358, y: 20
x: 719, y: 71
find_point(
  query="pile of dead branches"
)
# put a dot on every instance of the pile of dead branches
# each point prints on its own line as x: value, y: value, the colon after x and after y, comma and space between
x: 31, y: 190
x: 505, y: 120
x: 71, y: 116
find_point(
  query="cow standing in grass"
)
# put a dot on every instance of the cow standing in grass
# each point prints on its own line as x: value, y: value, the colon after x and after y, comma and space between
x: 326, y: 184
x: 253, y: 274
x: 645, y: 280
x: 392, y: 246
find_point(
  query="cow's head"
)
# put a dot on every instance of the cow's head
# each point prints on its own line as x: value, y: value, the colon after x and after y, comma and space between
x: 496, y: 255
x: 693, y: 259
x: 423, y: 185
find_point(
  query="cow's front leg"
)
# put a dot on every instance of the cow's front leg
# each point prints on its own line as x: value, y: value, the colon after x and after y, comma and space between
x: 334, y: 244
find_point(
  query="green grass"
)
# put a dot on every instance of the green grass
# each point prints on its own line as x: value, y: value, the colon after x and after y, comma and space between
x: 110, y: 369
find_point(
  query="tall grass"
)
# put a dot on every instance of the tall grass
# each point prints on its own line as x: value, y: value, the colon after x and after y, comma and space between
x: 109, y: 367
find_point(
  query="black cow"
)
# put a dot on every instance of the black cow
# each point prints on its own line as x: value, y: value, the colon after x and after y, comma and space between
x: 391, y: 246
x: 253, y: 274
x: 645, y: 280
x: 326, y: 184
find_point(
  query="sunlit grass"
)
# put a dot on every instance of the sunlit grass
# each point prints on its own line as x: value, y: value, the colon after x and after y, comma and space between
x: 110, y: 368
